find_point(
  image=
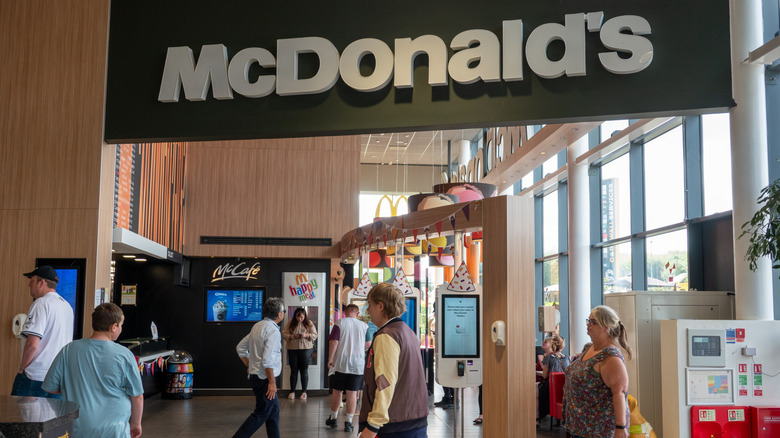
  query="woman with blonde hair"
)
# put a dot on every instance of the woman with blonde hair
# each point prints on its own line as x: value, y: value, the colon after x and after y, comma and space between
x: 597, y: 383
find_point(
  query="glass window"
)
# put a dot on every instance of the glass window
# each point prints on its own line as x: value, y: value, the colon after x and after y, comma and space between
x: 667, y: 261
x: 369, y: 203
x: 610, y: 126
x: 664, y: 187
x: 528, y: 180
x: 616, y: 267
x: 550, y: 166
x: 551, y: 282
x: 550, y: 223
x: 615, y: 199
x: 716, y: 163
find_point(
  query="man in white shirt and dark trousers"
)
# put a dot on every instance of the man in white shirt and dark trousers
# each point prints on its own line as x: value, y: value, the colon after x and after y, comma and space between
x: 48, y: 328
x: 261, y: 352
x: 346, y: 355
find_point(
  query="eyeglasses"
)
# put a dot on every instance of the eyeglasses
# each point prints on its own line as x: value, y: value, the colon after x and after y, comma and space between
x: 591, y: 321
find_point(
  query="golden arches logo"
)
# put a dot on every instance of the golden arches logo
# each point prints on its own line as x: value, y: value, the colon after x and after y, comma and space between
x: 393, y: 207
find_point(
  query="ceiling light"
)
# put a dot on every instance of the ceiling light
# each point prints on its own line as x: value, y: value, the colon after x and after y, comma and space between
x: 542, y: 153
x: 128, y: 256
x: 140, y: 260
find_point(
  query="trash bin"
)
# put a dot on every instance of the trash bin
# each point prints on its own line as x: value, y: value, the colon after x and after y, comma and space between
x: 179, y: 379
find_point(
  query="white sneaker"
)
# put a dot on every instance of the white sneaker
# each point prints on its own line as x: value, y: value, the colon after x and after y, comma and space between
x: 291, y: 396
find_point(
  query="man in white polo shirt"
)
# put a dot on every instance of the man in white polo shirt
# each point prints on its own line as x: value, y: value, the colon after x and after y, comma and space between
x: 48, y: 328
x: 346, y: 356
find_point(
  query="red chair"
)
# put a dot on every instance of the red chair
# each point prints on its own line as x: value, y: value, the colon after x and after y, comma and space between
x: 557, y: 381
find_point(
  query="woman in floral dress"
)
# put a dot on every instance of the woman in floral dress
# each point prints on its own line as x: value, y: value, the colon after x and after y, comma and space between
x: 597, y: 382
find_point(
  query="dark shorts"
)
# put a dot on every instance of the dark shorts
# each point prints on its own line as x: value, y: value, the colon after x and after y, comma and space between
x: 346, y: 382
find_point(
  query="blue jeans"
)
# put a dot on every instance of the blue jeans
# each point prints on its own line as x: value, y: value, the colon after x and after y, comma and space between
x: 418, y: 433
x: 26, y: 387
x: 266, y: 411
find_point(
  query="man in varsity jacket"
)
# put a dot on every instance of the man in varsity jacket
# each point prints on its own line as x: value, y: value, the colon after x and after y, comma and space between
x: 395, y: 397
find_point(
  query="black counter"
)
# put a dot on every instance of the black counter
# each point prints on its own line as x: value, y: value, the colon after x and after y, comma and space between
x: 147, y: 350
x: 22, y: 417
x: 145, y: 346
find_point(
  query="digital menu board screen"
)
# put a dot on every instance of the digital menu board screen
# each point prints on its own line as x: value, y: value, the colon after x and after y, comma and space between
x: 234, y: 304
x: 460, y: 324
x: 410, y: 316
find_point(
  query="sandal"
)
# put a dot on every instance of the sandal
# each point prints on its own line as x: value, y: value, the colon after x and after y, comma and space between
x: 303, y: 396
x: 478, y: 421
x: 291, y: 396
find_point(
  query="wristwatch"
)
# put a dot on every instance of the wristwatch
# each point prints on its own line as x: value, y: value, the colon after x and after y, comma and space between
x: 617, y: 426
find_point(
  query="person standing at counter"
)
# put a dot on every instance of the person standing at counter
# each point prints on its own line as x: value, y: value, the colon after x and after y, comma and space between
x: 261, y: 352
x: 102, y: 377
x: 48, y: 328
x: 299, y: 335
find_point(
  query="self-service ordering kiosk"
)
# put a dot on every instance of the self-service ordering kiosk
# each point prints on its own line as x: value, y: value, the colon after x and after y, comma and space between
x: 458, y: 334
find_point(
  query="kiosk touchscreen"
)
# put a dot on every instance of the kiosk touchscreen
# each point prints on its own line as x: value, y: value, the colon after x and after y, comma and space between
x: 459, y: 334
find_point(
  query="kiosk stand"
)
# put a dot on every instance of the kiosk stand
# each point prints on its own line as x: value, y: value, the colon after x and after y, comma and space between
x: 458, y: 338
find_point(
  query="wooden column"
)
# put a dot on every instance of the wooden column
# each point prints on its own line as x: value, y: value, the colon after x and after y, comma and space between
x: 509, y: 397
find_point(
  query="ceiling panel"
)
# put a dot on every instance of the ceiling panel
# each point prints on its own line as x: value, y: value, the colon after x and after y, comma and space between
x: 422, y: 147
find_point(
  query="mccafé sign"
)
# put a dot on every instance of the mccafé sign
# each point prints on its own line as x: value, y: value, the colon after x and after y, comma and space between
x: 478, y: 55
x: 187, y: 70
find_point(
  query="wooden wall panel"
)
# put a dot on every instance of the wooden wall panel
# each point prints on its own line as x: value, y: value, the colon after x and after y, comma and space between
x: 302, y: 188
x: 52, y: 79
x: 509, y: 399
x: 160, y: 192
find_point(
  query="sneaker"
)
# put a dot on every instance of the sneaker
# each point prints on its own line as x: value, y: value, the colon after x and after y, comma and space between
x: 331, y: 423
x: 443, y: 402
x: 291, y: 396
x: 348, y: 427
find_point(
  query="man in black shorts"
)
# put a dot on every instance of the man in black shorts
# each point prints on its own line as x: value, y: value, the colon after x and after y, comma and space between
x: 346, y: 357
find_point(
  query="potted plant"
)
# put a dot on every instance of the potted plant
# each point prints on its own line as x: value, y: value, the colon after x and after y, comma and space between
x: 763, y: 229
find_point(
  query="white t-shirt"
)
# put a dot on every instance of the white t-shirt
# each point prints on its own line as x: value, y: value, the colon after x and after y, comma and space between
x: 51, y: 319
x: 350, y: 353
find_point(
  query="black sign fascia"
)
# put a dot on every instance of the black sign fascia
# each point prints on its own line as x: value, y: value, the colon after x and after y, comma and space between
x: 690, y: 72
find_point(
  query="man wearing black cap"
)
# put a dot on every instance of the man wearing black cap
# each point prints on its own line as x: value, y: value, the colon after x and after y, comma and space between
x: 48, y: 328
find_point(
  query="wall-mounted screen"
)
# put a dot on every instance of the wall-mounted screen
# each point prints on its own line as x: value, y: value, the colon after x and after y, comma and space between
x: 460, y: 324
x: 410, y: 316
x: 234, y: 304
x: 70, y: 287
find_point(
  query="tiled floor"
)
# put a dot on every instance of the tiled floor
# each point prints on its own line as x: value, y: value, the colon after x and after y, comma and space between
x: 220, y: 416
